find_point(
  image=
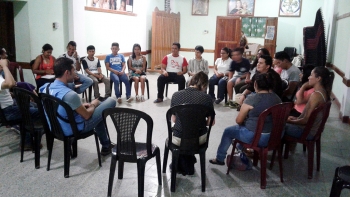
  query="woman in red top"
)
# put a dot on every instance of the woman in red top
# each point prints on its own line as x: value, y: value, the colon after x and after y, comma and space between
x: 43, y: 65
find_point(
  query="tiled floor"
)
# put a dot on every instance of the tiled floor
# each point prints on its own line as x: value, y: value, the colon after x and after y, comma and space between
x: 88, y: 179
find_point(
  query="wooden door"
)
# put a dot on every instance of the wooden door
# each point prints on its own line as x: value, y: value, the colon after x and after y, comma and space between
x: 271, y: 44
x: 7, y: 30
x: 228, y: 33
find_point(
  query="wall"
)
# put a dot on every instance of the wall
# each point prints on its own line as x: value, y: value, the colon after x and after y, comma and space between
x: 290, y: 29
x: 21, y: 24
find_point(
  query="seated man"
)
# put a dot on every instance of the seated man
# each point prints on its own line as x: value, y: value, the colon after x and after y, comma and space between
x: 8, y: 106
x: 197, y: 64
x: 290, y: 75
x: 88, y: 116
x: 116, y: 64
x: 174, y: 66
x: 92, y: 67
x: 73, y: 55
x: 241, y: 66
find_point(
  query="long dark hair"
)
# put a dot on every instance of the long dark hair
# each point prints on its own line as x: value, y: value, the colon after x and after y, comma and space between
x: 327, y: 79
x: 227, y: 50
x: 264, y: 81
x: 133, y: 52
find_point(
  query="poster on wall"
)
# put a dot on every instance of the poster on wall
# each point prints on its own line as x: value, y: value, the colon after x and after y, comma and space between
x: 240, y: 7
x: 120, y: 5
x: 270, y: 32
x: 200, y: 7
x: 290, y: 8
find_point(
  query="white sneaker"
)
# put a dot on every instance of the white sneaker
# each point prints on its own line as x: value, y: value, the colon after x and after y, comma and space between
x: 129, y: 99
x: 137, y: 98
x: 119, y: 100
x: 142, y: 98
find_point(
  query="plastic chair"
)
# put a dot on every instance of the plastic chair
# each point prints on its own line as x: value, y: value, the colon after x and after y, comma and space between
x: 166, y: 87
x: 341, y: 180
x: 310, y: 144
x: 279, y: 114
x: 23, y: 98
x: 51, y: 105
x: 192, y: 117
x: 126, y: 121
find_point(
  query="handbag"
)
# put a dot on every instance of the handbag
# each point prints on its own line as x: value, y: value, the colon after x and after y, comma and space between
x: 240, y: 161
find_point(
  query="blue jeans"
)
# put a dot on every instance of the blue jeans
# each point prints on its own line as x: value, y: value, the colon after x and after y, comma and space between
x: 241, y: 133
x: 221, y: 82
x: 116, y: 80
x: 295, y: 131
x: 86, y: 82
x: 96, y: 122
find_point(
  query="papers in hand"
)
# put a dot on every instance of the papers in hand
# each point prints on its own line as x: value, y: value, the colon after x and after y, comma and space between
x: 48, y: 76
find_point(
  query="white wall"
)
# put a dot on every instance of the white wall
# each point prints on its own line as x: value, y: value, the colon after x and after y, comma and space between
x: 22, y: 36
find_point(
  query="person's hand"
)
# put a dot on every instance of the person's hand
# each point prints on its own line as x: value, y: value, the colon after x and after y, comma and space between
x: 3, y: 62
x: 76, y: 78
x: 121, y: 73
x: 138, y: 71
x: 179, y: 73
x: 291, y: 118
x: 75, y: 55
x: 116, y: 72
x: 100, y: 76
x: 218, y: 75
x: 248, y: 81
x: 86, y: 105
x: 165, y: 73
x: 305, y: 86
x: 49, y: 72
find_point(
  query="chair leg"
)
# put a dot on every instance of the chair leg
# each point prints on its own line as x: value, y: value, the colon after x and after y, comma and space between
x: 50, y: 140
x: 90, y: 93
x: 256, y: 158
x: 165, y: 158
x: 37, y: 141
x: 174, y: 164
x: 147, y: 88
x: 67, y: 149
x: 120, y: 88
x: 23, y: 138
x: 166, y: 90
x: 310, y: 162
x: 286, y: 150
x: 120, y: 169
x: 141, y: 176
x: 263, y: 161
x: 229, y: 163
x: 337, y: 185
x: 158, y: 167
x: 202, y: 160
x: 279, y: 152
x: 74, y: 149
x: 318, y: 154
x: 98, y: 151
x: 111, y: 174
x: 304, y: 147
x: 272, y: 159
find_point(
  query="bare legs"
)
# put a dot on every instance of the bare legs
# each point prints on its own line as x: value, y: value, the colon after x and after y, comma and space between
x: 136, y: 85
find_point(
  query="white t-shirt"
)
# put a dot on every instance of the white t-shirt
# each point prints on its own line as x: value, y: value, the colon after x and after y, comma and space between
x: 174, y: 64
x: 72, y: 58
x: 223, y: 65
x: 5, y: 96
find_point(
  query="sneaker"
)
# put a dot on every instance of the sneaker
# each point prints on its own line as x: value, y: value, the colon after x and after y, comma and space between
x: 142, y: 98
x: 137, y: 98
x: 129, y: 99
x: 101, y: 99
x: 119, y: 100
x: 233, y: 105
x: 217, y: 101
x: 106, y: 150
x: 227, y: 104
x: 158, y: 100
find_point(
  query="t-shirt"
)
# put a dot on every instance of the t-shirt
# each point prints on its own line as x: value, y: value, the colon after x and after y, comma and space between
x: 72, y: 58
x: 115, y: 61
x: 291, y: 74
x: 5, y: 96
x: 223, y: 65
x: 72, y: 99
x: 92, y: 65
x: 240, y: 68
x: 260, y: 102
x: 174, y: 64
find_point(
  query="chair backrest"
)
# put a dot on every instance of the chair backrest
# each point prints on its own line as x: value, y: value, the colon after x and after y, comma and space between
x: 13, y: 67
x: 51, y: 105
x: 279, y: 114
x: 125, y: 121
x: 192, y: 119
x: 291, y: 52
x: 23, y: 98
x: 324, y: 109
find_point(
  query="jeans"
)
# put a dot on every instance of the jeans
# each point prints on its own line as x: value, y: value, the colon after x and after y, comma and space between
x: 172, y: 77
x: 221, y: 82
x: 86, y: 82
x: 107, y: 83
x: 241, y: 133
x: 96, y: 122
x: 295, y: 131
x: 116, y: 80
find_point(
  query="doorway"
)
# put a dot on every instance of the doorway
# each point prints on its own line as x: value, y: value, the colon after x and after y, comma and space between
x: 7, y: 30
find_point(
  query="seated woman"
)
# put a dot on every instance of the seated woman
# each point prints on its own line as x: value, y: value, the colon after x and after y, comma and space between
x: 247, y: 118
x: 43, y: 65
x: 303, y: 94
x: 321, y: 79
x: 137, y: 66
x: 195, y: 94
x: 220, y: 75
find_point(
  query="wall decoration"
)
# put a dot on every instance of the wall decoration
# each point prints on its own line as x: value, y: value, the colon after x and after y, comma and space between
x: 200, y: 7
x: 254, y: 26
x: 290, y: 8
x: 120, y: 5
x: 240, y: 7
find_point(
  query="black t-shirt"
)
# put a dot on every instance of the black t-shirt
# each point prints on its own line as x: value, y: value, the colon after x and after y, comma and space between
x: 241, y: 67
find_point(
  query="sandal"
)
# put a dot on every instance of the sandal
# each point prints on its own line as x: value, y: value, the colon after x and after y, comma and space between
x: 217, y: 162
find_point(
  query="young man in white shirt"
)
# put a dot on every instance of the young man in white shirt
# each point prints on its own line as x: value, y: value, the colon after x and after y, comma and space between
x: 174, y: 66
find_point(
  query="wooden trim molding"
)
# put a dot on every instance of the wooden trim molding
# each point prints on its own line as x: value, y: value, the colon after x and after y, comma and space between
x: 192, y: 50
x: 346, y: 81
x: 346, y: 15
x: 109, y: 11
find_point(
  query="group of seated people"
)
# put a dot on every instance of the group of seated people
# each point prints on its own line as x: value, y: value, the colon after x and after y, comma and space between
x: 264, y: 88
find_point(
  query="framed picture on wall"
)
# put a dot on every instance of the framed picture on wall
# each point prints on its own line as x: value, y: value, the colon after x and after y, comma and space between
x: 121, y: 5
x: 240, y: 7
x: 290, y: 8
x: 200, y: 7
